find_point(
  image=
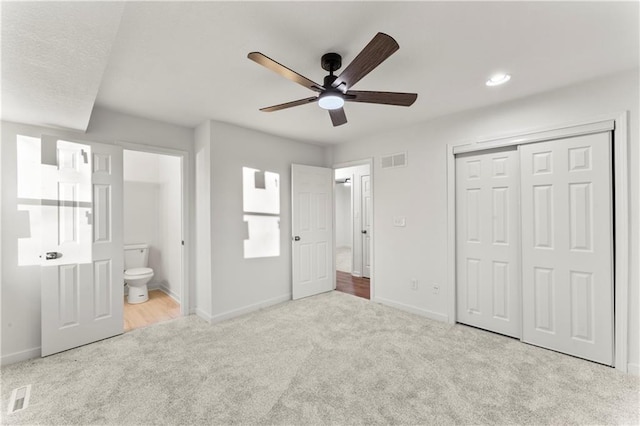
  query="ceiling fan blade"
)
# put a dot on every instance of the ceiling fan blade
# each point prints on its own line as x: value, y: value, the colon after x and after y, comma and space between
x: 387, y: 98
x: 289, y: 104
x: 338, y: 117
x: 379, y: 48
x: 287, y: 73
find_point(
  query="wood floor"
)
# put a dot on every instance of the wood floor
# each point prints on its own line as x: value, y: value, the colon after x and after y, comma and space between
x: 159, y: 307
x: 347, y: 283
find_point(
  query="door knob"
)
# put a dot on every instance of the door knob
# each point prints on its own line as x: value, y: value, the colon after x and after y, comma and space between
x: 51, y: 255
x: 296, y: 238
x: 364, y: 231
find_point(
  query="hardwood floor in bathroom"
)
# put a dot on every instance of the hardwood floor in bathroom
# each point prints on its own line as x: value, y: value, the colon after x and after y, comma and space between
x: 160, y: 307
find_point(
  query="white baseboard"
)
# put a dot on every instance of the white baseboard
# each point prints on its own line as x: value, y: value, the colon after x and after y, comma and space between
x: 20, y: 356
x: 166, y: 290
x: 204, y: 315
x: 412, y: 309
x: 250, y: 308
x: 633, y: 369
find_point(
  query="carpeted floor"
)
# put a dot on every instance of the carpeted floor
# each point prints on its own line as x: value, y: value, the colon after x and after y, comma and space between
x: 328, y: 359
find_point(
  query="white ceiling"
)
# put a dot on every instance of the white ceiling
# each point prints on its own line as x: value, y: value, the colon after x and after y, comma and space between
x: 185, y: 63
x: 53, y: 58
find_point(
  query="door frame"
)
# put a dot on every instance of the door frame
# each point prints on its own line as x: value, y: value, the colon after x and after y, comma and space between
x: 185, y: 162
x: 618, y: 124
x: 369, y: 162
x: 361, y: 203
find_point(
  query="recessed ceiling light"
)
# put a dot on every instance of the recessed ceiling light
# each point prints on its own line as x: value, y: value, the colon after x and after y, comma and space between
x: 498, y: 79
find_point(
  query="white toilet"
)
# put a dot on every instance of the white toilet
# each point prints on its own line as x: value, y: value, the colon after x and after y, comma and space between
x: 136, y: 273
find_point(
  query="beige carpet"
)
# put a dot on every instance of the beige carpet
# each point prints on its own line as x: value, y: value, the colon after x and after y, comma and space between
x: 329, y: 359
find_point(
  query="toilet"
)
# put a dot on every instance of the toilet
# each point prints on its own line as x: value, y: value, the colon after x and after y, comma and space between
x: 136, y: 273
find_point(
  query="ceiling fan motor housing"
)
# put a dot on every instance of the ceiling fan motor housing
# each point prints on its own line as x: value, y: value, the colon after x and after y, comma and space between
x: 328, y: 81
x: 331, y: 62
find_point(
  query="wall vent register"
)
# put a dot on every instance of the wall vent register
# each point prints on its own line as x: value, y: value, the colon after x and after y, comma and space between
x: 19, y: 399
x: 394, y: 160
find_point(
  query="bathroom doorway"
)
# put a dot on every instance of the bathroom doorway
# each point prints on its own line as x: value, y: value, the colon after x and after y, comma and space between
x: 353, y: 227
x: 153, y: 218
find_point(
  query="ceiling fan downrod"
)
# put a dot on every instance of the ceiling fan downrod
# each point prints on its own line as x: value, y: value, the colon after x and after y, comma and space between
x: 330, y: 62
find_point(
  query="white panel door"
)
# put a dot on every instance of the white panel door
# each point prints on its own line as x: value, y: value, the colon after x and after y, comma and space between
x: 487, y: 222
x: 312, y: 229
x: 567, y: 246
x: 366, y: 217
x: 82, y: 267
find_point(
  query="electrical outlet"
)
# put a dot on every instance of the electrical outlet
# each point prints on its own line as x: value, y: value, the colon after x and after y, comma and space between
x: 436, y: 289
x: 414, y: 284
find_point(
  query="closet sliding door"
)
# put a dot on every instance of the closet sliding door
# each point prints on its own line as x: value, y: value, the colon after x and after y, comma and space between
x: 534, y: 244
x: 567, y: 255
x: 487, y: 246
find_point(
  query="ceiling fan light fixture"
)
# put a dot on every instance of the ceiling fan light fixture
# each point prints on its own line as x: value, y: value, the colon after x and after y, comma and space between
x: 330, y: 100
x: 336, y: 90
x: 498, y: 79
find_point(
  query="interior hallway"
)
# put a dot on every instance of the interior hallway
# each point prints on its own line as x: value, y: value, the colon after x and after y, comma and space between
x: 356, y: 286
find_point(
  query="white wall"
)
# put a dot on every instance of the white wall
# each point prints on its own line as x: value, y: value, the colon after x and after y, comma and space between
x: 343, y: 215
x: 239, y: 284
x: 419, y: 250
x: 142, y: 220
x: 152, y: 214
x: 20, y: 285
x: 141, y: 206
x: 203, y: 219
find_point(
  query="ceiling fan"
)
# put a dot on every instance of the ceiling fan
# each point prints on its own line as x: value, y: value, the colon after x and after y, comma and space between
x: 336, y: 90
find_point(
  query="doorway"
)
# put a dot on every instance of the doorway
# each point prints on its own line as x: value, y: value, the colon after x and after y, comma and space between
x: 353, y: 217
x: 153, y: 218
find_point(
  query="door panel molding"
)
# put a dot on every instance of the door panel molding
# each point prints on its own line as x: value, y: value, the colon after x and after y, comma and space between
x: 618, y: 124
x: 488, y: 261
x: 567, y: 283
x: 312, y: 230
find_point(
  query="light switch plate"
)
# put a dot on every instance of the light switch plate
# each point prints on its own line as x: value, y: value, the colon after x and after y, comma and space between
x: 399, y: 221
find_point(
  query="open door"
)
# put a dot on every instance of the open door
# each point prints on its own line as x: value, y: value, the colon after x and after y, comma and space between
x: 312, y: 230
x: 366, y: 218
x: 82, y: 264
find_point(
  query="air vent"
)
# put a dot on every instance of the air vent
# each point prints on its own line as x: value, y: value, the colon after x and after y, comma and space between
x: 394, y: 160
x: 19, y: 399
